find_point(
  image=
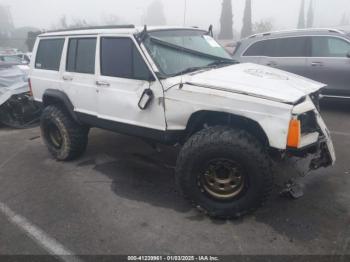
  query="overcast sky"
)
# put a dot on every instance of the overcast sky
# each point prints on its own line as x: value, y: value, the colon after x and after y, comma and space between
x: 283, y: 13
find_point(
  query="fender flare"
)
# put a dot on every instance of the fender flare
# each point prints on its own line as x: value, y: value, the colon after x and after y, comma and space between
x: 52, y: 96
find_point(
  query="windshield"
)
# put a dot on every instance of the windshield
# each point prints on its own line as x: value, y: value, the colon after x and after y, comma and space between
x: 182, y: 51
x: 13, y: 59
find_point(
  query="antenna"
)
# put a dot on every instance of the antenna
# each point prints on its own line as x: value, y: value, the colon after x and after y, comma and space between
x: 143, y: 34
x: 210, y: 31
x: 183, y: 40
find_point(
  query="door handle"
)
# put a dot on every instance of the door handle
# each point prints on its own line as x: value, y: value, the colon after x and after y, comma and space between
x: 102, y: 83
x: 67, y: 78
x: 271, y: 63
x: 316, y: 64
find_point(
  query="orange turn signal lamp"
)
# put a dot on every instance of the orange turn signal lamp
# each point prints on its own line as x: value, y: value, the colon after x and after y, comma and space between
x: 294, y: 134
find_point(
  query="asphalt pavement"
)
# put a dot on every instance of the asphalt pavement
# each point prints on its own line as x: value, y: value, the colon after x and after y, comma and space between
x: 119, y: 198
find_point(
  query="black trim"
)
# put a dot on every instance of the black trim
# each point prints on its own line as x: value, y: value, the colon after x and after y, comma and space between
x: 93, y: 28
x: 164, y: 137
x: 335, y: 92
x: 159, y: 136
x: 308, y: 149
x: 52, y: 96
x: 301, y: 152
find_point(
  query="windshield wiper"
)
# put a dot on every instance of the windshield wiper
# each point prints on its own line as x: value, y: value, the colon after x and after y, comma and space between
x: 211, y: 65
x: 223, y: 62
x: 191, y: 69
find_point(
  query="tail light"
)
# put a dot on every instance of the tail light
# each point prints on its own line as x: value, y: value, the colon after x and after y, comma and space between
x: 30, y: 87
x: 294, y: 133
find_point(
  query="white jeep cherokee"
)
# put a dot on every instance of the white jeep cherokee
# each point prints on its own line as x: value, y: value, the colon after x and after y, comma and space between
x: 179, y: 86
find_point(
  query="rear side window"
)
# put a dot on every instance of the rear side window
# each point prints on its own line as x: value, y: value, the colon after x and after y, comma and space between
x: 289, y: 47
x: 48, y: 56
x: 121, y: 58
x: 81, y: 55
x: 281, y: 47
x: 329, y: 47
x: 256, y: 49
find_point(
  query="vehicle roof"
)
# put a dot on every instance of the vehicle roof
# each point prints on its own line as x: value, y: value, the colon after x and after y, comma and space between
x: 127, y: 30
x: 297, y: 32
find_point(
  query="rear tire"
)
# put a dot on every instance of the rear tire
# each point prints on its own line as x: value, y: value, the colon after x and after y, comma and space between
x: 65, y: 139
x: 224, y: 172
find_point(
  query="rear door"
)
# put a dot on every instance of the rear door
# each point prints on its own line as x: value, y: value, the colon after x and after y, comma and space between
x: 79, y: 78
x: 45, y: 66
x: 329, y: 64
x: 288, y: 53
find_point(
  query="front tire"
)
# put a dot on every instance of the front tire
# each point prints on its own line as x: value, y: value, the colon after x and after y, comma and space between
x: 224, y: 172
x: 65, y: 139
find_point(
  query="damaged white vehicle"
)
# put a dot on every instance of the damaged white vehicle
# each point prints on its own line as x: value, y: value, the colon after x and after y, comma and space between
x: 178, y: 86
x: 16, y: 107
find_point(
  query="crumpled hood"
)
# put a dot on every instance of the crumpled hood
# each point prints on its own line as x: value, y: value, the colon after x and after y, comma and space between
x: 256, y: 80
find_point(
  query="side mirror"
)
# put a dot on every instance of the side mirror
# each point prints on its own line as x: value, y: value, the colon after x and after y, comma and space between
x: 146, y: 98
x: 348, y: 55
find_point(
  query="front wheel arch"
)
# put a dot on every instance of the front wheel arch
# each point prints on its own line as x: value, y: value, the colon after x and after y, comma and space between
x: 203, y: 119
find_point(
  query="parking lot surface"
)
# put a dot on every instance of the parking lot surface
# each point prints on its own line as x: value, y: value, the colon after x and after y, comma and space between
x: 119, y: 198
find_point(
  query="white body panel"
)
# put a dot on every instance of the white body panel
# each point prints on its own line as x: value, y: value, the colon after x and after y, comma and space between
x: 257, y: 80
x: 273, y: 117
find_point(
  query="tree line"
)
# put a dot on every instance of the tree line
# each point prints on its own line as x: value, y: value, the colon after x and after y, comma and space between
x: 248, y: 28
x: 155, y: 15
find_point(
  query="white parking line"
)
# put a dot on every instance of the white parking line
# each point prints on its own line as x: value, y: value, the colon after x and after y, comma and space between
x: 39, y: 236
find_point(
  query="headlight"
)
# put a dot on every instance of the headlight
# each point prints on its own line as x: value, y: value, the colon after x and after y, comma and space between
x: 308, y: 122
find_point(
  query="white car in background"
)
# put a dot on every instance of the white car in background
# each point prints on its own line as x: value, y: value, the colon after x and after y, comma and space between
x: 21, y: 60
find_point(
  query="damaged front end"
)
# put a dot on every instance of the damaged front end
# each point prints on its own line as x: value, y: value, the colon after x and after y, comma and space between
x: 315, y: 138
x: 17, y: 109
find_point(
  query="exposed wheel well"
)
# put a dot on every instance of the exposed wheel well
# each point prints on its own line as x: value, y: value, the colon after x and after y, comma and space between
x: 201, y: 119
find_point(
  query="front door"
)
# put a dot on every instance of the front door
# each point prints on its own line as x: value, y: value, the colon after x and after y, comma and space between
x: 329, y: 64
x: 122, y: 79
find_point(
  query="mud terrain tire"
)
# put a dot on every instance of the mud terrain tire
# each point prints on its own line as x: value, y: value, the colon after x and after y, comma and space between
x: 65, y: 139
x: 233, y: 148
